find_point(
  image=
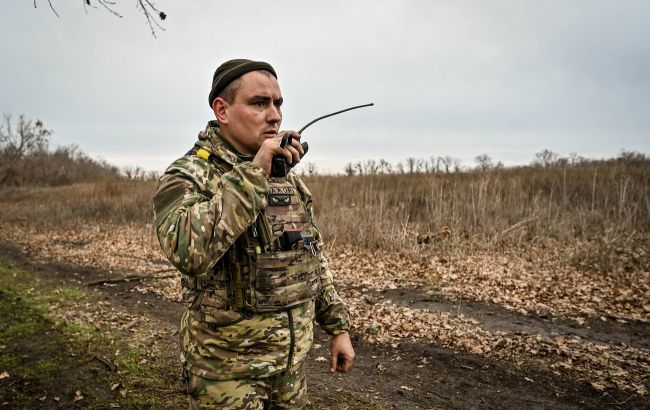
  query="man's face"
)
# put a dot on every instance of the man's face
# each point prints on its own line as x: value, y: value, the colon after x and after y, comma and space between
x: 254, y: 114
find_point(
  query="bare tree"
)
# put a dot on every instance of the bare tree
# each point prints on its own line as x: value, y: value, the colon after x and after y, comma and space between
x: 420, y: 165
x: 370, y: 167
x: 135, y: 173
x: 349, y: 169
x: 483, y: 162
x: 631, y: 157
x: 147, y: 7
x: 435, y: 163
x: 458, y: 165
x: 410, y: 165
x: 400, y: 167
x: 562, y: 162
x: 443, y: 163
x: 545, y: 158
x: 26, y: 139
x: 385, y: 167
x: 358, y: 167
x: 429, y: 165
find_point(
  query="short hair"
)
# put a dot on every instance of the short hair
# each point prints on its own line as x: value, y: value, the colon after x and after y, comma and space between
x: 230, y: 92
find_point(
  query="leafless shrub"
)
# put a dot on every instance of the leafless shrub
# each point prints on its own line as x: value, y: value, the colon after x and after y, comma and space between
x: 484, y: 162
x: 545, y: 158
x: 26, y: 160
x: 28, y: 138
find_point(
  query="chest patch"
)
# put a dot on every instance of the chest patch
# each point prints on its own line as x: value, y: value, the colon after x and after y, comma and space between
x: 281, y: 190
x: 279, y: 200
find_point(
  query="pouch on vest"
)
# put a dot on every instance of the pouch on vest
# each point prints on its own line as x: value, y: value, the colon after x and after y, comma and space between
x: 285, y: 279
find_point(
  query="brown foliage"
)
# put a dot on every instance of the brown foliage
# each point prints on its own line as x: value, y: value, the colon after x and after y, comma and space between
x: 601, y: 202
x: 115, y: 201
x: 603, y: 210
x: 26, y: 159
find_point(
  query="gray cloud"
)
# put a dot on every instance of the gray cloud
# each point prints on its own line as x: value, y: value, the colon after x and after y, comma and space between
x: 465, y: 77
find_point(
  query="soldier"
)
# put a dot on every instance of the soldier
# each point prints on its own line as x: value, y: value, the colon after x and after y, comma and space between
x: 254, y: 277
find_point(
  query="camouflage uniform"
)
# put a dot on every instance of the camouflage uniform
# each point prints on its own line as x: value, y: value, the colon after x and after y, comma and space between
x: 250, y: 306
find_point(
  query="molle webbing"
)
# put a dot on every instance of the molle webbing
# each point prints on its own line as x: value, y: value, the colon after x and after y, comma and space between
x: 263, y: 271
x: 286, y: 279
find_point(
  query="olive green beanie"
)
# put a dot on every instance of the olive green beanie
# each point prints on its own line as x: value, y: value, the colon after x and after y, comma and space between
x: 232, y: 70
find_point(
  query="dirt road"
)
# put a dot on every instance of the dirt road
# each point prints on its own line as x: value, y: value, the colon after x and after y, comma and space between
x: 404, y: 375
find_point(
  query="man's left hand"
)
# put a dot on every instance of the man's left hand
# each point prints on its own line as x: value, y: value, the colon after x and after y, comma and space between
x: 341, y: 353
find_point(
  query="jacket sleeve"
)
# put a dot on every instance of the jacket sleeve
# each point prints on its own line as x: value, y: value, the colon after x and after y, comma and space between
x: 196, y: 226
x: 331, y: 312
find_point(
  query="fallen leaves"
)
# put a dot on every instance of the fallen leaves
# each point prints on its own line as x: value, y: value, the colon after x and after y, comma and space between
x: 525, y: 281
x: 537, y: 281
x: 616, y: 366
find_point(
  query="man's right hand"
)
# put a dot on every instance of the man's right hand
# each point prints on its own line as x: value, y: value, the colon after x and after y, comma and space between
x: 271, y: 147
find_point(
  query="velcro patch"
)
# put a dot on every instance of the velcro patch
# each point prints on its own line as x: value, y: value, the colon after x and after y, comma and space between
x: 279, y: 200
x: 283, y: 190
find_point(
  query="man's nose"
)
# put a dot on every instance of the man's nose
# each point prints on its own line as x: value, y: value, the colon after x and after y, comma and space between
x: 273, y: 114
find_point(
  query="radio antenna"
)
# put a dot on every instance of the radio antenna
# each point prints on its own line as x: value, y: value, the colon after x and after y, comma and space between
x: 334, y: 113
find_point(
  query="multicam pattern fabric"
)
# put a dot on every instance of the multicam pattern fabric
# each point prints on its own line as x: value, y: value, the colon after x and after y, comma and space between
x: 204, y: 209
x: 253, y: 345
x: 286, y: 390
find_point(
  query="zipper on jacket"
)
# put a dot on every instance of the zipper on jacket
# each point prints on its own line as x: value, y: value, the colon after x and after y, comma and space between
x: 292, y: 337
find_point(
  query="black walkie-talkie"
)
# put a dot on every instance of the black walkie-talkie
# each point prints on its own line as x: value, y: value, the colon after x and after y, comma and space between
x: 279, y: 166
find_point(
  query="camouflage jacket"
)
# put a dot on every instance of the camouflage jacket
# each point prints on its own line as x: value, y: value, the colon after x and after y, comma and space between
x: 202, y: 208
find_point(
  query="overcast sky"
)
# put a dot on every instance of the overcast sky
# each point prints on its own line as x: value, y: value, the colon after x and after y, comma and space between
x: 460, y: 78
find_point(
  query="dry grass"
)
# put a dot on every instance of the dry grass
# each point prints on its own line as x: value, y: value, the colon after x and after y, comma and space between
x: 116, y: 201
x: 607, y: 202
x: 600, y: 210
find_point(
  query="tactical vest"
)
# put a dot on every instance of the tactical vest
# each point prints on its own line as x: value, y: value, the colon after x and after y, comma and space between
x: 273, y: 266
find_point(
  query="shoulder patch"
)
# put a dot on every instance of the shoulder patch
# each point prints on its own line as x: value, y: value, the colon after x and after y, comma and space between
x: 194, y: 168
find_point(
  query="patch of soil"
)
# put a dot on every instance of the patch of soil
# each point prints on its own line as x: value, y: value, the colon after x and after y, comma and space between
x: 426, y: 376
x: 404, y: 376
x: 53, y: 371
x: 497, y: 318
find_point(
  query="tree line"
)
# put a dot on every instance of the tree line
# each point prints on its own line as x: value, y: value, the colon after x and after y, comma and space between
x: 26, y: 158
x: 482, y: 163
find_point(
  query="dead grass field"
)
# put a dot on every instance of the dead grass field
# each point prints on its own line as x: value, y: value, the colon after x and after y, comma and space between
x: 598, y: 213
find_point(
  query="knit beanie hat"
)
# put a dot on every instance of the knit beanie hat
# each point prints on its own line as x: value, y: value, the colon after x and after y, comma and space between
x: 232, y: 70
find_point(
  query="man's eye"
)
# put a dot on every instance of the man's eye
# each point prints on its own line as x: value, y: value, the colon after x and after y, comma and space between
x: 259, y: 104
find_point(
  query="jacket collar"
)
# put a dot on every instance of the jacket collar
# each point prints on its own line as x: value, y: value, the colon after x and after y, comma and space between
x: 213, y: 140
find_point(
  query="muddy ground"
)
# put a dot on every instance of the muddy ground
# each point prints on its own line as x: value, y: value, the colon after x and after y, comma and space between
x: 404, y: 376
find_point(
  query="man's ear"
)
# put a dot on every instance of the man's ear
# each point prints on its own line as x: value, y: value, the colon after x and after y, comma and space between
x: 220, y: 108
